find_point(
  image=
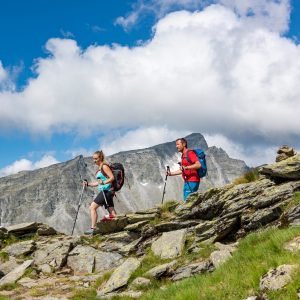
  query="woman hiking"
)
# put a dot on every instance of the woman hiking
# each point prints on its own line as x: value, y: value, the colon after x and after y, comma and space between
x: 104, y: 181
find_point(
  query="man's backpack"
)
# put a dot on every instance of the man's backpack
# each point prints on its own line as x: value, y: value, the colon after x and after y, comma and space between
x: 201, y: 156
x: 119, y: 174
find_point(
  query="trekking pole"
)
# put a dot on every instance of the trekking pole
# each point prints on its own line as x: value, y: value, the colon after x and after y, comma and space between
x: 164, y: 191
x: 184, y: 176
x: 79, y: 204
x: 104, y: 198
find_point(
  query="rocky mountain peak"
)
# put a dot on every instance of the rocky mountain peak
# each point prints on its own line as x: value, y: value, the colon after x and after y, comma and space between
x: 50, y: 195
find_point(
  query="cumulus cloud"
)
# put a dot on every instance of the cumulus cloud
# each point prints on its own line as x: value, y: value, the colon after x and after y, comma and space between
x: 139, y: 139
x: 208, y: 71
x: 27, y: 165
x: 254, y: 155
x: 158, y: 8
x: 273, y: 14
x: 6, y: 79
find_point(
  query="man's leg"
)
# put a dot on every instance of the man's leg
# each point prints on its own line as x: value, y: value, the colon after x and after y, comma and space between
x: 189, y: 188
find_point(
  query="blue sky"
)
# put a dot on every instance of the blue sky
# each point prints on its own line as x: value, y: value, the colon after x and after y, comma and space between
x: 82, y: 75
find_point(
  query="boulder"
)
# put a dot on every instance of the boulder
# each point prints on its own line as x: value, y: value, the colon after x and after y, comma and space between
x: 285, y: 152
x: 288, y: 169
x: 277, y: 278
x: 86, y: 259
x: 192, y: 269
x: 275, y: 194
x: 21, y: 248
x: 224, y: 227
x: 175, y: 225
x: 140, y: 282
x: 260, y: 218
x: 293, y: 245
x: 23, y: 228
x: 219, y: 257
x: 291, y: 216
x: 53, y: 253
x: 134, y: 218
x: 3, y: 232
x: 115, y: 225
x: 123, y: 236
x: 120, y: 276
x: 162, y: 270
x: 46, y: 230
x: 170, y: 244
x: 16, y: 274
x: 137, y: 227
x: 8, y: 266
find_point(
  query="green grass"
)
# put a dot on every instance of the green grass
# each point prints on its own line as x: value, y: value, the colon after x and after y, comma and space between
x: 4, y: 257
x: 93, y: 240
x: 169, y: 206
x: 100, y: 281
x: 9, y: 287
x: 149, y: 262
x: 250, y: 176
x: 239, y: 277
x: 87, y: 294
x: 295, y: 201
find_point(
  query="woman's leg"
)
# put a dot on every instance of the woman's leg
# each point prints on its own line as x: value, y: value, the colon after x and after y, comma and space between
x: 94, y: 215
x: 112, y: 211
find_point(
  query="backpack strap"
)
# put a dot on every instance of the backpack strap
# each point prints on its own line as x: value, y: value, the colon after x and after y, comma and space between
x: 102, y: 170
x: 187, y: 156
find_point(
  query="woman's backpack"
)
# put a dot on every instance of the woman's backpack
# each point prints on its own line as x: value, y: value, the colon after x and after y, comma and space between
x: 119, y: 174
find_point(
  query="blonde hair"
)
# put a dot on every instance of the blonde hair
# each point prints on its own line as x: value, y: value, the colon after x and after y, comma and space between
x: 100, y: 154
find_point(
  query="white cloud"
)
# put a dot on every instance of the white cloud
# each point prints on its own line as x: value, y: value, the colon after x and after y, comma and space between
x: 139, y: 139
x: 273, y: 14
x: 158, y: 8
x: 79, y: 151
x: 6, y: 80
x: 253, y: 155
x: 27, y: 165
x: 211, y: 71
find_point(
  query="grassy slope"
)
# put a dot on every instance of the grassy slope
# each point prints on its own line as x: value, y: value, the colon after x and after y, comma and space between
x: 239, y: 277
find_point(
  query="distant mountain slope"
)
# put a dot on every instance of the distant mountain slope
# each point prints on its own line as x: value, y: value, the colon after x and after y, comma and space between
x: 50, y: 195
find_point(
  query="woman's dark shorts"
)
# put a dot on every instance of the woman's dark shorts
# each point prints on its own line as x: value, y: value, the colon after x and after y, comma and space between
x: 100, y: 200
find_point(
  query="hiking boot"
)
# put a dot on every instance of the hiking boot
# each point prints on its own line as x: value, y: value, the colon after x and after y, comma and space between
x: 108, y: 218
x: 90, y: 231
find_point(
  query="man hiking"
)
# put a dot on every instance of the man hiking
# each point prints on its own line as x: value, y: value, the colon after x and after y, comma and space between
x: 189, y: 166
x: 105, y: 177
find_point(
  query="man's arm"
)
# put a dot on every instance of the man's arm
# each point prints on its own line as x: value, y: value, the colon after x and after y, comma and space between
x: 194, y: 166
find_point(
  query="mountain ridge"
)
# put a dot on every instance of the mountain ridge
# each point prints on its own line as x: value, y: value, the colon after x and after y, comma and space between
x: 50, y: 195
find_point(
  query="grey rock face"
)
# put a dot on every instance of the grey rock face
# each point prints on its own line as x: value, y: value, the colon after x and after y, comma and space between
x: 170, y: 244
x: 16, y: 274
x: 277, y: 278
x: 55, y: 254
x: 219, y: 257
x: 85, y: 259
x: 293, y: 245
x: 292, y: 216
x: 162, y: 270
x: 192, y: 269
x: 120, y: 276
x: 21, y: 248
x: 50, y: 195
x: 286, y: 169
